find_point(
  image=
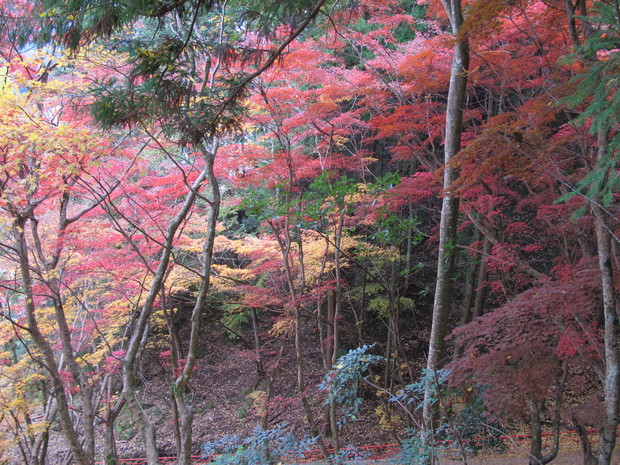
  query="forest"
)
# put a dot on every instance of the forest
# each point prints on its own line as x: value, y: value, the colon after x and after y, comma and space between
x: 404, y: 211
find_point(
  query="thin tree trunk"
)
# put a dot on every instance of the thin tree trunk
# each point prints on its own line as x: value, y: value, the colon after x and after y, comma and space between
x: 328, y: 352
x: 186, y: 411
x: 176, y: 419
x: 50, y: 264
x: 338, y: 291
x: 272, y: 378
x: 450, y: 207
x: 607, y: 434
x: 110, y: 453
x: 535, y: 433
x: 388, y: 358
x: 260, y: 368
x: 466, y: 310
x: 483, y: 273
x: 330, y: 428
x: 42, y: 441
x: 175, y: 356
x: 86, y: 391
x: 536, y: 442
x: 557, y: 415
x: 329, y: 339
x: 79, y: 454
x: 301, y: 387
x: 586, y: 446
x: 409, y: 253
x: 138, y: 335
x: 285, y: 248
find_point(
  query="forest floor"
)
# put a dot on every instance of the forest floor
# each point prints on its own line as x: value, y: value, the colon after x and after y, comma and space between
x: 227, y: 395
x: 228, y: 398
x: 565, y: 457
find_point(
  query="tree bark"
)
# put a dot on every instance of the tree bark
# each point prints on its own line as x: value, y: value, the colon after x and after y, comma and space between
x: 272, y: 377
x: 285, y: 244
x: 450, y: 206
x: 147, y: 429
x: 586, y: 446
x: 481, y: 291
x: 468, y: 300
x: 80, y: 456
x: 535, y: 433
x: 607, y: 433
x: 181, y: 384
x: 110, y: 453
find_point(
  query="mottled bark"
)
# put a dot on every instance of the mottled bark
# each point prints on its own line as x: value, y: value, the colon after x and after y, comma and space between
x: 607, y: 437
x: 450, y: 204
x: 607, y: 433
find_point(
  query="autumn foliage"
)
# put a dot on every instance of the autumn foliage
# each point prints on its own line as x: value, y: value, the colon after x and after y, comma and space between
x: 161, y: 168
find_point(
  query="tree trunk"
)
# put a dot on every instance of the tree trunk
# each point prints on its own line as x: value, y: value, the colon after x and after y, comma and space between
x: 337, y: 307
x: 607, y: 434
x: 138, y: 335
x: 301, y: 387
x: 260, y: 368
x: 586, y: 446
x: 110, y: 453
x: 466, y: 309
x: 536, y: 451
x: 272, y: 377
x: 329, y: 339
x: 80, y: 456
x: 327, y: 427
x: 481, y: 291
x: 535, y: 433
x: 86, y: 392
x: 175, y: 356
x: 536, y: 443
x: 42, y: 441
x: 181, y: 385
x: 409, y: 253
x: 450, y: 206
